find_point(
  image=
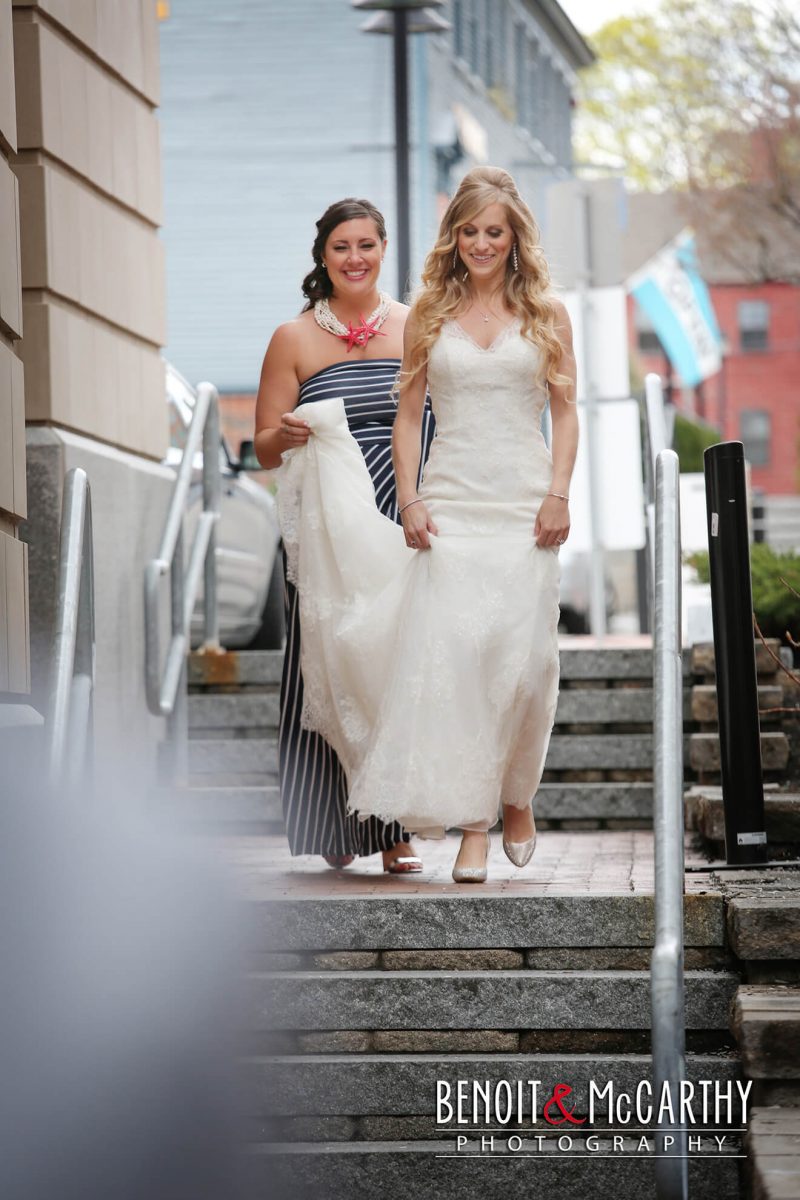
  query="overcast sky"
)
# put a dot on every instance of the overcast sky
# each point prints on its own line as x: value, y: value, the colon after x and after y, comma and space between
x: 588, y: 15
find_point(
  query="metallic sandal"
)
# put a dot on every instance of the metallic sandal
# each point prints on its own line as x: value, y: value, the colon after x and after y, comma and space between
x: 404, y: 858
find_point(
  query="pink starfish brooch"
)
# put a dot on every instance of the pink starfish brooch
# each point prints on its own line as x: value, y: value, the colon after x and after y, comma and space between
x: 359, y: 335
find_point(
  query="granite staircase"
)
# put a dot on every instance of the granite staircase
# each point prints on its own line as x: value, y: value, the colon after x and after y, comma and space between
x: 366, y: 991
x: 598, y: 772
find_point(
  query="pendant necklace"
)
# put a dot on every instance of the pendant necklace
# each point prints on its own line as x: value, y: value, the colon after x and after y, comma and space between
x: 486, y: 315
x: 354, y: 335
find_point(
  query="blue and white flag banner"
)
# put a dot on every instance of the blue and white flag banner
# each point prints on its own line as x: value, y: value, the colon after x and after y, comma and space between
x: 672, y: 293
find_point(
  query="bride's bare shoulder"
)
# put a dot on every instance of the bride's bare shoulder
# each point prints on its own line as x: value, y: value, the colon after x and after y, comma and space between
x: 561, y: 315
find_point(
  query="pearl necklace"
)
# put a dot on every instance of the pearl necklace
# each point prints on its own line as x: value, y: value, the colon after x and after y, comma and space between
x: 354, y: 335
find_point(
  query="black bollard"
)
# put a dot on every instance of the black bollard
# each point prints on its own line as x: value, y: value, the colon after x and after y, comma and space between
x: 734, y: 653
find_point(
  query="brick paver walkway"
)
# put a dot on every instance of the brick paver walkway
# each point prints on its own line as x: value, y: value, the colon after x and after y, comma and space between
x: 564, y: 863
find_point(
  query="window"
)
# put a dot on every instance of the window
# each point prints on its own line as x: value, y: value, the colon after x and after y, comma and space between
x: 495, y: 19
x: 533, y: 95
x: 474, y: 46
x: 520, y: 74
x: 548, y: 115
x: 563, y: 121
x: 755, y: 427
x: 646, y: 337
x: 753, y: 324
x: 458, y: 29
x: 502, y: 27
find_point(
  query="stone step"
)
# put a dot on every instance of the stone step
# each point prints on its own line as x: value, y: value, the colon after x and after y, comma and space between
x: 702, y: 661
x: 593, y: 801
x: 563, y: 802
x: 619, y: 663
x: 705, y: 813
x: 224, y: 806
x: 527, y: 999
x: 773, y: 1148
x: 764, y: 925
x: 251, y: 709
x: 766, y: 1022
x: 610, y: 751
x: 256, y: 757
x: 394, y: 1084
x: 567, y: 752
x: 605, y: 706
x: 428, y: 1170
x: 253, y: 667
x: 246, y: 710
x: 704, y: 701
x: 434, y: 921
x: 704, y: 751
x: 235, y: 668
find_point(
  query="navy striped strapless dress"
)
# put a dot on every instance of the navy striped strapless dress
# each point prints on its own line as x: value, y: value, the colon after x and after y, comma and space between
x: 312, y: 782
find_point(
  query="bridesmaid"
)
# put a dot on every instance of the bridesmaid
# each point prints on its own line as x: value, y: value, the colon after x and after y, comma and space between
x: 347, y: 342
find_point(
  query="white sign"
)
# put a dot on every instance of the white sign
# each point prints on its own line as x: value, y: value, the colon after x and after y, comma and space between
x: 620, y: 488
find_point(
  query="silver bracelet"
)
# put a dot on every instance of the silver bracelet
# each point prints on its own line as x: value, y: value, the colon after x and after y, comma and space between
x: 559, y: 496
x: 405, y: 506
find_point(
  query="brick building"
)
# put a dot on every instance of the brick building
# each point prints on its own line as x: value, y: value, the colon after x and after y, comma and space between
x: 755, y: 397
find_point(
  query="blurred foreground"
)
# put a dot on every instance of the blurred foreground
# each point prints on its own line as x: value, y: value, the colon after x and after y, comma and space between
x: 122, y: 946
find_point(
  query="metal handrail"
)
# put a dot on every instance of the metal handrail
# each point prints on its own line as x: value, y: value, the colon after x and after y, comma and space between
x: 666, y: 967
x: 166, y: 688
x: 70, y: 721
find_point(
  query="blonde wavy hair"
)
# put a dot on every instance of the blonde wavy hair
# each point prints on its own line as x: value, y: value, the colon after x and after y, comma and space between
x: 445, y: 289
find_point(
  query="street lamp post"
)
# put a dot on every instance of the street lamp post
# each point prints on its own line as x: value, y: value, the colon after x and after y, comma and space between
x: 400, y: 18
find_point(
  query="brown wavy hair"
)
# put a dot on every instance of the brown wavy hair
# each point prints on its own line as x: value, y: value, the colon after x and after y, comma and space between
x: 445, y: 289
x: 317, y: 284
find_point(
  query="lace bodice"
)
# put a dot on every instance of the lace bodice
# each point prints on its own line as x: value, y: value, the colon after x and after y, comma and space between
x: 489, y: 465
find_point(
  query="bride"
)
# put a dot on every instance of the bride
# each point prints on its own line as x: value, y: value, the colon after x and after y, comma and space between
x: 430, y: 652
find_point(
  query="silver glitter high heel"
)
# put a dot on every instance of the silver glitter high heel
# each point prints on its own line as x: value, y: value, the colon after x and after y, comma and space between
x: 472, y: 874
x: 520, y: 852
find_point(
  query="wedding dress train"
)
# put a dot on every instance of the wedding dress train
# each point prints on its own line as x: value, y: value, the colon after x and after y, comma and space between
x: 432, y: 673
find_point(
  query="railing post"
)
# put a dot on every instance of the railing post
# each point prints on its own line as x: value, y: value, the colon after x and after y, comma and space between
x: 667, y: 997
x: 166, y: 683
x: 212, y: 497
x: 656, y: 442
x: 176, y: 751
x: 734, y: 653
x: 70, y: 720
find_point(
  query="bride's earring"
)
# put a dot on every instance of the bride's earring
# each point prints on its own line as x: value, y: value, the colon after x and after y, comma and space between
x: 455, y: 258
x: 514, y: 257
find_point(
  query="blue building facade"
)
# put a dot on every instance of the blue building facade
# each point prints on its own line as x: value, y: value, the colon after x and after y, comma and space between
x: 272, y: 109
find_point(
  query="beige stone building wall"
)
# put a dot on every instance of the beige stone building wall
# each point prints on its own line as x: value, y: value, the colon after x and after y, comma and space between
x: 88, y: 169
x: 83, y: 165
x: 14, y: 638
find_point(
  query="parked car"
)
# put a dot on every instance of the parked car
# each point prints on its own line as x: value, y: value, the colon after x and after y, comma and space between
x: 249, y: 568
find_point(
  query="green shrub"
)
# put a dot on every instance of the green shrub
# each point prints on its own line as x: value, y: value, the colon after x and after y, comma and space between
x: 690, y: 439
x: 776, y: 608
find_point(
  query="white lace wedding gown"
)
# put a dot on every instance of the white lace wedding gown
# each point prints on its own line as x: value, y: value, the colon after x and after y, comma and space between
x: 432, y: 673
